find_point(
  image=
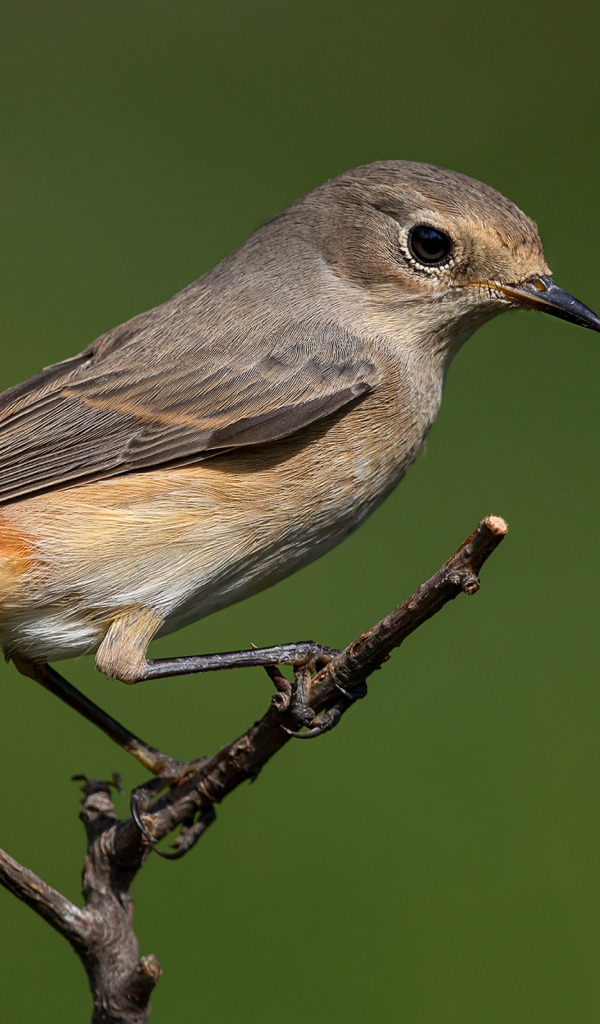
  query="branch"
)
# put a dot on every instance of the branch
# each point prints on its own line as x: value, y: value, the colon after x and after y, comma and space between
x: 459, y: 575
x: 102, y: 934
x: 244, y: 758
x: 50, y: 904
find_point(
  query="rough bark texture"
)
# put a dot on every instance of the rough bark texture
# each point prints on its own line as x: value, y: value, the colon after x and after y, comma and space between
x: 325, y: 686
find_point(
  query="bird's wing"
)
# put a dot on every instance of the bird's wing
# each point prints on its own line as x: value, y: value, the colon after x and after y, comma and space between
x: 142, y: 397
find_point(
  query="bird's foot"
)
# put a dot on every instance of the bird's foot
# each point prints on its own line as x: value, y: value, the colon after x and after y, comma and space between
x: 294, y: 698
x: 192, y: 827
x: 316, y: 725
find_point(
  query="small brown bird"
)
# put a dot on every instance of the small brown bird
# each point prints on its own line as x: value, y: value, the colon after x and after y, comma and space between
x: 210, y: 447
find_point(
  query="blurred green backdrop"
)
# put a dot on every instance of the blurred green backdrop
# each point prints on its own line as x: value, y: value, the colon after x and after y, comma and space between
x: 435, y: 859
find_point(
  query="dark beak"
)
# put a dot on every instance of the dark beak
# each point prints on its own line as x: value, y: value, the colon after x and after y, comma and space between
x: 542, y: 294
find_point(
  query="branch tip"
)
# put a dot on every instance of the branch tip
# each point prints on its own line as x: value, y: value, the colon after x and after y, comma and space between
x: 496, y: 525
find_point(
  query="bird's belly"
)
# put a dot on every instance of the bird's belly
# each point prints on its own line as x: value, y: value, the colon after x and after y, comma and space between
x: 287, y: 507
x: 277, y: 538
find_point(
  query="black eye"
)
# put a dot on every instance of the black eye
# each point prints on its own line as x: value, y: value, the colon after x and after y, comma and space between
x: 429, y: 245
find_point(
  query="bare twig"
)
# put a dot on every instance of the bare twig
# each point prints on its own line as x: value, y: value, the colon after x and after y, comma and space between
x: 459, y: 575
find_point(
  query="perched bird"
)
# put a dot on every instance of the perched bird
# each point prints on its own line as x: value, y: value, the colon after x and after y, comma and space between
x: 217, y: 443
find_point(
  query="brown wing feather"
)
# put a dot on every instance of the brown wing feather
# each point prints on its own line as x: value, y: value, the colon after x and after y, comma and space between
x: 151, y: 395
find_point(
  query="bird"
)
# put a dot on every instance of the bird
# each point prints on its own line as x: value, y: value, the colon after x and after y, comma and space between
x: 213, y: 445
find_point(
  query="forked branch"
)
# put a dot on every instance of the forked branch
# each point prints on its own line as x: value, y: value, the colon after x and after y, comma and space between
x: 324, y: 687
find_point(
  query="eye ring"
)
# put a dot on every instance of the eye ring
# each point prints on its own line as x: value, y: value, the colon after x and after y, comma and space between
x: 428, y: 245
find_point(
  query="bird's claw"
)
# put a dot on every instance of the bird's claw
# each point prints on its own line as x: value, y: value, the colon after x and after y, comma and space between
x: 191, y: 830
x: 328, y: 719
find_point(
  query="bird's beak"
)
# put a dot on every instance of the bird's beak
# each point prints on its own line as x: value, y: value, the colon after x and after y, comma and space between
x: 543, y: 294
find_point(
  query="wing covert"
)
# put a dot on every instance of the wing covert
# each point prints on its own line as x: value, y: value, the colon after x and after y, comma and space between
x: 143, y: 397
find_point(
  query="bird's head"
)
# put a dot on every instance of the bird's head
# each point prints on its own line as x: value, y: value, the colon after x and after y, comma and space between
x: 454, y: 250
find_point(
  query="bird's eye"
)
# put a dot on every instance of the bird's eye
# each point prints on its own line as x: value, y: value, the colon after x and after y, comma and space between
x: 429, y: 245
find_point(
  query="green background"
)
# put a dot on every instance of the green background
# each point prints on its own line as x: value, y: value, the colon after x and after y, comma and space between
x: 435, y: 859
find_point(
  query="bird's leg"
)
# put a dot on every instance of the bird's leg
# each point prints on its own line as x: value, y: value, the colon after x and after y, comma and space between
x: 154, y: 760
x: 303, y: 652
x: 122, y: 653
